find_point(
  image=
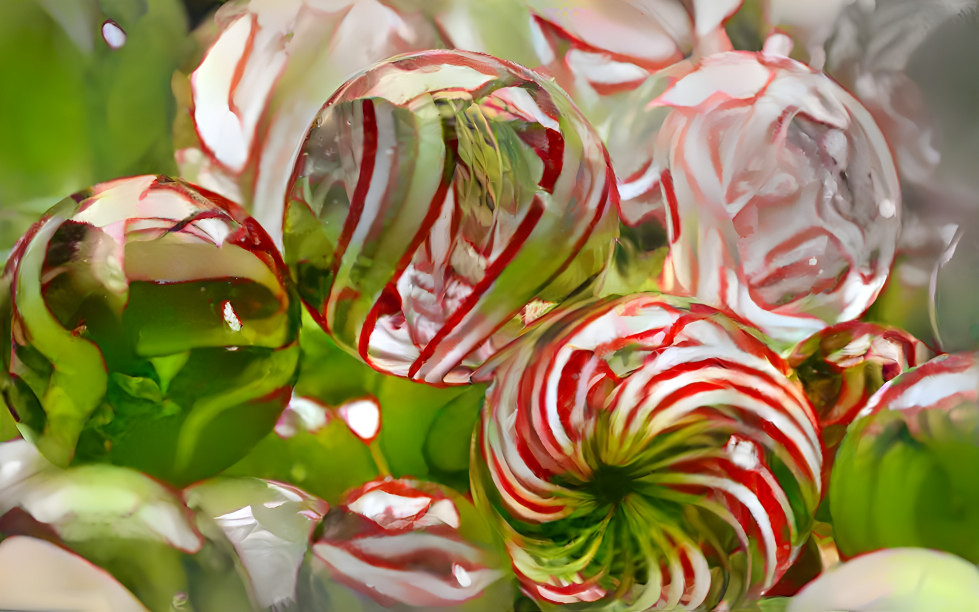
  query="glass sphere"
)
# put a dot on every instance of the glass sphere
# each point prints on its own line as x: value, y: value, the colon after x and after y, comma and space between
x: 783, y: 202
x: 268, y: 523
x: 125, y: 524
x: 409, y: 544
x: 897, y: 579
x: 441, y: 202
x: 647, y: 453
x: 252, y: 97
x: 842, y: 366
x: 149, y: 324
x: 905, y: 471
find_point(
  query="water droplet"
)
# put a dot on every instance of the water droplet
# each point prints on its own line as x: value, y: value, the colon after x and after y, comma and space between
x: 113, y: 35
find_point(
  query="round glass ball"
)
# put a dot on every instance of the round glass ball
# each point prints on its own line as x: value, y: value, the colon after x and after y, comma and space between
x: 647, y: 452
x: 150, y: 324
x: 441, y: 202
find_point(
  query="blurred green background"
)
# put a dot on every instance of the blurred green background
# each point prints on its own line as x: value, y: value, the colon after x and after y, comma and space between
x: 75, y: 111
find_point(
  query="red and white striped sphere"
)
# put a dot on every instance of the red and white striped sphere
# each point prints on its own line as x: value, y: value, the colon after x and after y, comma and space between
x: 904, y: 474
x: 647, y: 452
x: 441, y: 202
x: 945, y: 382
x: 842, y: 366
x: 412, y: 543
x: 783, y: 201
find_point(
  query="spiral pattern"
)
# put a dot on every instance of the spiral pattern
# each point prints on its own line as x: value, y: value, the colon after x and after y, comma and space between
x: 783, y: 203
x: 441, y: 202
x: 647, y: 452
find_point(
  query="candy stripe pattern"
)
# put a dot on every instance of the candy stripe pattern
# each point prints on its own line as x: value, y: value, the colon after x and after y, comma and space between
x: 783, y: 203
x: 403, y: 542
x: 253, y: 95
x: 842, y: 366
x: 438, y: 198
x: 942, y: 383
x: 647, y: 453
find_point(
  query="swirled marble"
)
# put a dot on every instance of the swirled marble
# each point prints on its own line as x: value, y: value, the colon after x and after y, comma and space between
x: 252, y: 97
x: 842, y: 366
x: 411, y: 543
x: 782, y: 196
x: 647, y: 452
x: 150, y: 324
x: 441, y: 202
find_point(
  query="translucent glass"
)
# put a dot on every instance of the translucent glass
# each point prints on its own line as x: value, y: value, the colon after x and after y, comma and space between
x: 148, y: 324
x: 647, y: 453
x: 441, y: 202
x: 783, y: 203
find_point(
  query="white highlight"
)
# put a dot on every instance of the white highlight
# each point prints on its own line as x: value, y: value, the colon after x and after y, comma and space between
x: 113, y: 35
x: 461, y: 575
x: 887, y: 208
x: 230, y: 317
x: 381, y: 506
x: 302, y: 414
x: 743, y: 453
x: 363, y: 417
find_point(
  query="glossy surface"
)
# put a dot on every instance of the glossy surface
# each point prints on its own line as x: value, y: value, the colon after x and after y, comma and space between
x: 783, y: 203
x: 121, y: 522
x: 147, y: 324
x: 905, y: 472
x: 902, y: 580
x: 252, y: 97
x: 842, y: 366
x: 647, y: 452
x: 411, y: 545
x: 441, y: 202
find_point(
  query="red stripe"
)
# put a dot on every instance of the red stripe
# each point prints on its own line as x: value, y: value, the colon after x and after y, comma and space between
x: 671, y: 204
x: 363, y: 182
x: 391, y: 304
x: 489, y: 277
x: 507, y: 486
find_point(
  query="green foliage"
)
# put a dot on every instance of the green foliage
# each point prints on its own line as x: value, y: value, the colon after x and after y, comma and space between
x: 74, y: 111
